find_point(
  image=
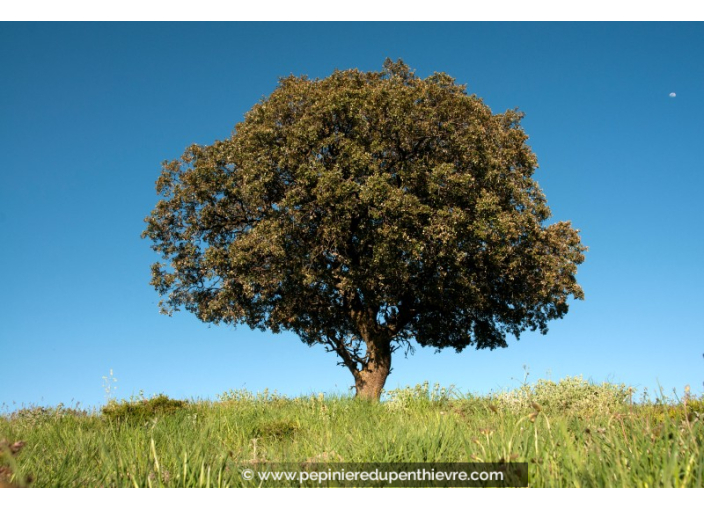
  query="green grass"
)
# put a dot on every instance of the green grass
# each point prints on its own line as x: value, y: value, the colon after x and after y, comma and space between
x: 572, y: 434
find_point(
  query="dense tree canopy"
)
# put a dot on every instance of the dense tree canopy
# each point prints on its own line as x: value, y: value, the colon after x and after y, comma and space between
x: 364, y: 211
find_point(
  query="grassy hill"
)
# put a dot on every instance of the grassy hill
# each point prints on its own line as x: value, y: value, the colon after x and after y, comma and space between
x: 571, y: 434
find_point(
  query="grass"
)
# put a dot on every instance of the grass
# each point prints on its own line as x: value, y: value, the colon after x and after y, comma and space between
x: 572, y: 434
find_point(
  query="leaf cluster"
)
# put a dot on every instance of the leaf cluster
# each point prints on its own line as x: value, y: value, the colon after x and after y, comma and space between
x: 142, y: 410
x: 366, y: 203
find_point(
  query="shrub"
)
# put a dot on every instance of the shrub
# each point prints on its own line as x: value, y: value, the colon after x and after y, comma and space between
x: 421, y: 395
x: 572, y: 394
x: 246, y: 396
x: 37, y: 415
x: 690, y: 410
x: 142, y: 410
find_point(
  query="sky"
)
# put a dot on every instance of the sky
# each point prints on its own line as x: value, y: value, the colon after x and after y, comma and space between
x: 89, y: 111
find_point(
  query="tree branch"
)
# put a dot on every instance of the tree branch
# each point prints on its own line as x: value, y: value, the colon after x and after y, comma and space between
x: 350, y: 358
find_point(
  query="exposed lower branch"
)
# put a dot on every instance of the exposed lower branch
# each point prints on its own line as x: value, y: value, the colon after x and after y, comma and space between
x: 348, y: 353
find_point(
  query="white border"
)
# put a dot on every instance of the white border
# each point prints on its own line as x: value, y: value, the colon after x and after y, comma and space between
x: 314, y: 499
x: 359, y: 10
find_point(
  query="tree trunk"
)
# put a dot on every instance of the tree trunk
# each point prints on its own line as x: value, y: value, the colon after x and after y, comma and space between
x: 370, y: 379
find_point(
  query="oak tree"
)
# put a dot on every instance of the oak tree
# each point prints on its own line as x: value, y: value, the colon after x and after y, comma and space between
x: 366, y: 211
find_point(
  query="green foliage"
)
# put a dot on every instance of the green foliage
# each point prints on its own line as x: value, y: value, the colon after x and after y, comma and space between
x: 689, y: 410
x: 572, y: 394
x: 38, y: 415
x: 246, y: 396
x: 142, y: 410
x: 361, y: 211
x: 206, y: 444
x: 277, y: 429
x: 695, y: 406
x: 419, y: 395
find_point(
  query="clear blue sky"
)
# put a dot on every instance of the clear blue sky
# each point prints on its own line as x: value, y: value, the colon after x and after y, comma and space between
x: 89, y: 111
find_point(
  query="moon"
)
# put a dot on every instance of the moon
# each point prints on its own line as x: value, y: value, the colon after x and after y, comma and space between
x: 672, y: 94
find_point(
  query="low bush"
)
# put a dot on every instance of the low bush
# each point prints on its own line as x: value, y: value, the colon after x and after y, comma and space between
x: 142, y: 410
x: 569, y: 395
x: 420, y: 395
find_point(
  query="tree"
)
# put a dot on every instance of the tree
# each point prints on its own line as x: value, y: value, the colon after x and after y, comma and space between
x: 365, y: 211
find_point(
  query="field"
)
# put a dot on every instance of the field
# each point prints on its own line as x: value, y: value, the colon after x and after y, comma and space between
x: 572, y: 434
